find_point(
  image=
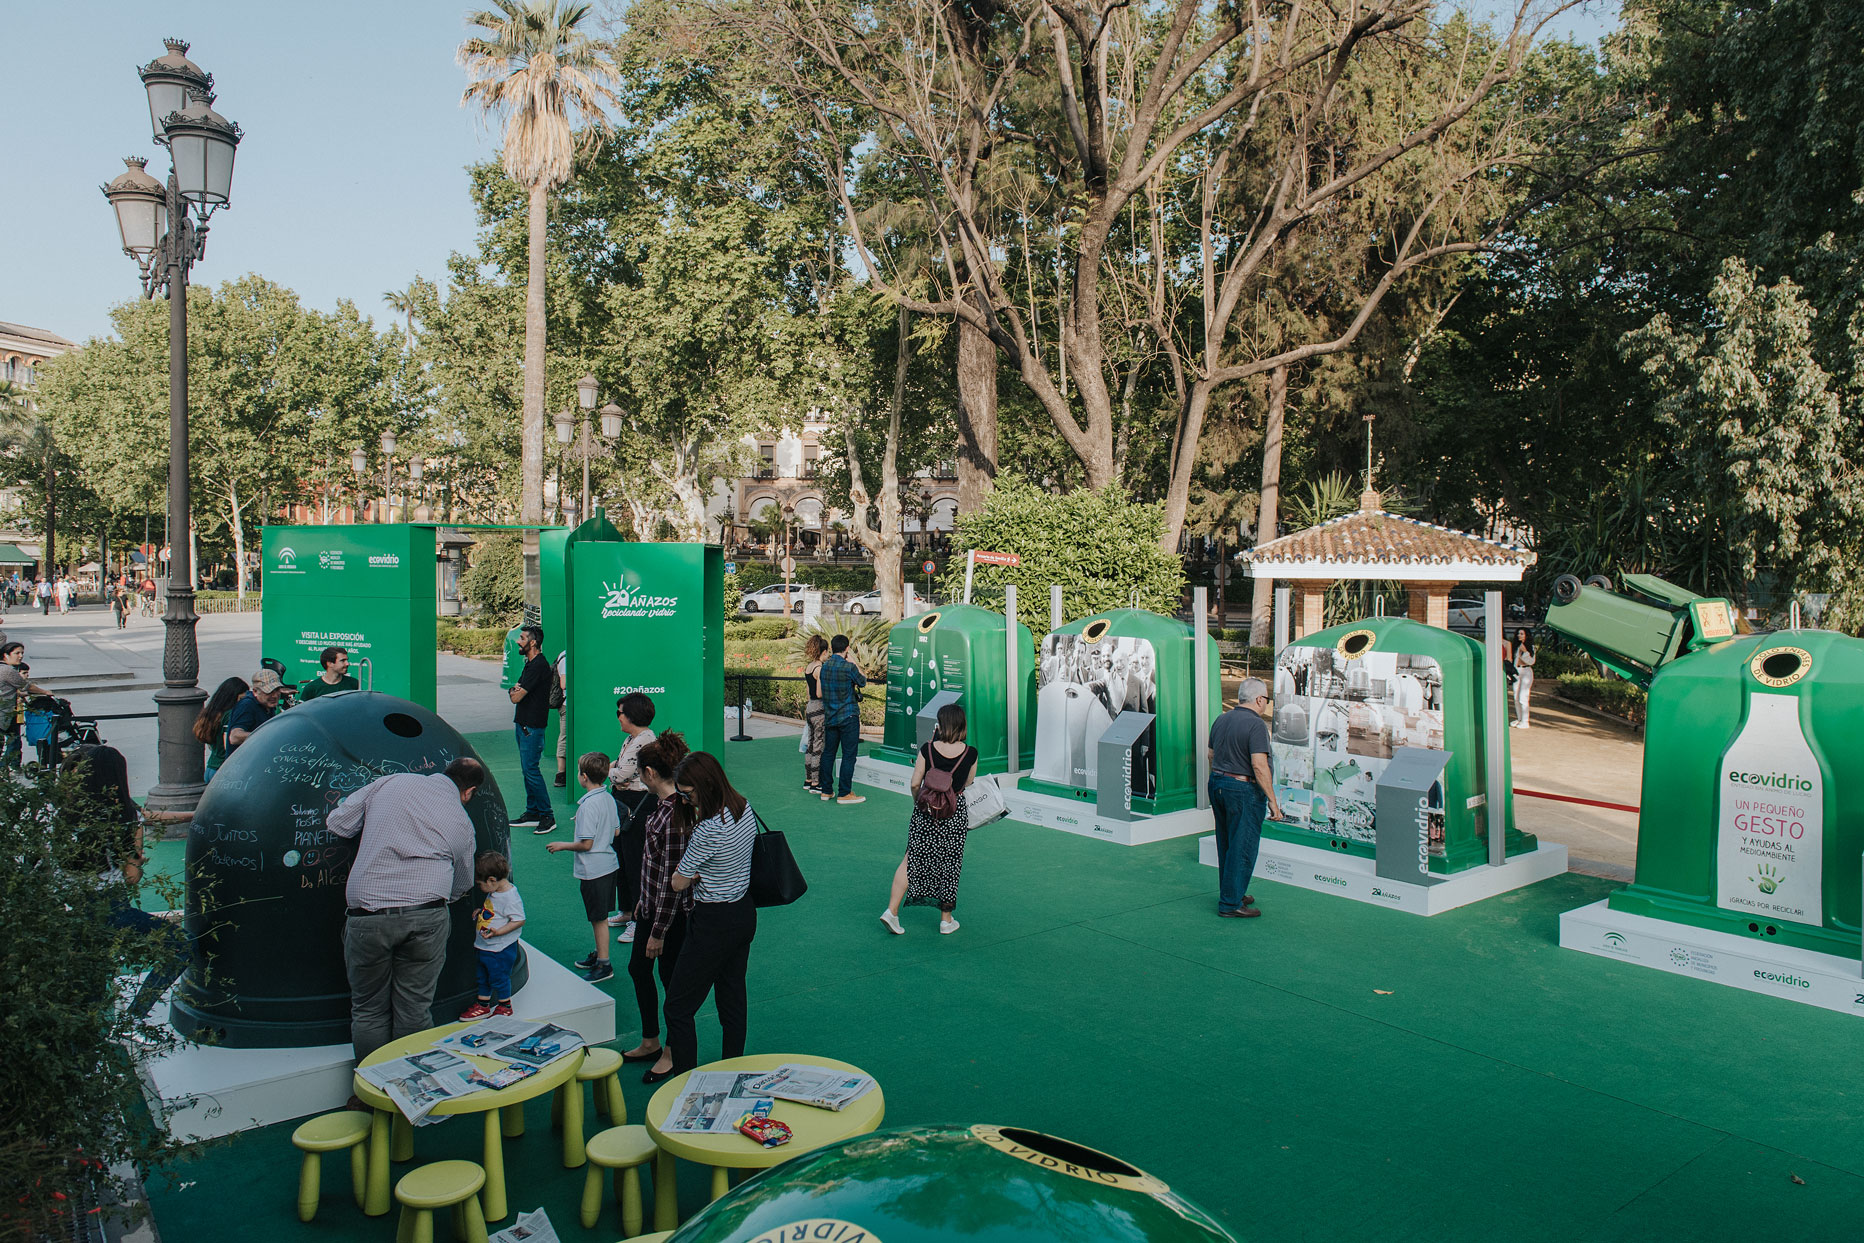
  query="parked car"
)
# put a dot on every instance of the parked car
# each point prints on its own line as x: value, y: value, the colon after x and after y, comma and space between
x: 869, y: 603
x: 770, y: 599
x: 1470, y: 616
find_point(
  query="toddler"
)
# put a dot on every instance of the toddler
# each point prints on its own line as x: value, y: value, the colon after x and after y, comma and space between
x: 499, y: 920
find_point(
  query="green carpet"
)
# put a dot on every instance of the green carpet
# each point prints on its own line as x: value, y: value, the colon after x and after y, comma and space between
x: 1331, y: 1071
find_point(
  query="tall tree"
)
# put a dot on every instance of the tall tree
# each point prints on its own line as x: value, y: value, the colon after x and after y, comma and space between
x: 539, y: 68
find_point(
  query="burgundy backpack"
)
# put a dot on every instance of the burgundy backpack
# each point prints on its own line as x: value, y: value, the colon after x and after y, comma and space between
x: 936, y: 796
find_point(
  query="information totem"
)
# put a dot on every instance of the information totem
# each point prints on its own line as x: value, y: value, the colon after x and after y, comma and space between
x: 647, y: 618
x: 369, y: 589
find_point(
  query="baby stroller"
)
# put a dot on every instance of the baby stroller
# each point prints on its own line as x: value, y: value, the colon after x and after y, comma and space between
x: 52, y: 728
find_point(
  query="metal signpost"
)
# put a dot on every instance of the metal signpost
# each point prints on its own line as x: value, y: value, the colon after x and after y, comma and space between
x: 976, y: 557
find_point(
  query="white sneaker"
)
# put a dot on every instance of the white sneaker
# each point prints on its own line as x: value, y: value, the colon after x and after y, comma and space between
x: 627, y: 934
x: 892, y: 922
x: 947, y: 926
x: 619, y: 921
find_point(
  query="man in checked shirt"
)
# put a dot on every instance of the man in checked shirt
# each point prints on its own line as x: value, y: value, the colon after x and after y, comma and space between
x: 415, y: 856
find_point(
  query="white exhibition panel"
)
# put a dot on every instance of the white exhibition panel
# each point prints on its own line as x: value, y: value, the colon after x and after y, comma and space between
x: 220, y: 1091
x: 1828, y: 981
x: 1352, y: 876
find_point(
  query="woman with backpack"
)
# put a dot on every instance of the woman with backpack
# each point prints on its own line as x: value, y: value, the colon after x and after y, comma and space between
x: 928, y: 875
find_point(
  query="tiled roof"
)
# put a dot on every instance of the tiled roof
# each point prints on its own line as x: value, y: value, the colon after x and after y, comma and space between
x: 1374, y: 537
x: 20, y: 332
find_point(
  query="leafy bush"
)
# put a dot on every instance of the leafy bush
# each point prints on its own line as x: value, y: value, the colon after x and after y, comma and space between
x: 449, y: 636
x: 1101, y: 547
x: 771, y: 655
x: 70, y: 1054
x: 867, y: 640
x: 1607, y: 694
x: 760, y: 628
x: 494, y: 582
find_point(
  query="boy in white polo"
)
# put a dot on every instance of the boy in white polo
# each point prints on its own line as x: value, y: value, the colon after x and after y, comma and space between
x: 597, y: 866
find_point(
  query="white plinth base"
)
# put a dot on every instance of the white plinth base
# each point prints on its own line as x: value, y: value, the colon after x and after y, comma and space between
x: 1805, y: 976
x: 1068, y: 815
x: 221, y: 1091
x: 1352, y: 876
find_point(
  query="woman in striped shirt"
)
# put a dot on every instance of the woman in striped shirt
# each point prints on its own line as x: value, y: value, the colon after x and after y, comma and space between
x: 717, y: 869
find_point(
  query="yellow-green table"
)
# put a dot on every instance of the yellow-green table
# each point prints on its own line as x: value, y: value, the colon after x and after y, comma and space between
x: 810, y: 1128
x: 503, y: 1110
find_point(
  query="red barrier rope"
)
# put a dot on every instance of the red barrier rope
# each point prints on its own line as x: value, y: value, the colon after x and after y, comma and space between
x: 1586, y: 802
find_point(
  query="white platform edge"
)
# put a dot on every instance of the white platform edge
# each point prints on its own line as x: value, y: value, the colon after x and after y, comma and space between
x: 1049, y: 811
x: 1805, y: 976
x: 222, y: 1091
x: 1353, y: 876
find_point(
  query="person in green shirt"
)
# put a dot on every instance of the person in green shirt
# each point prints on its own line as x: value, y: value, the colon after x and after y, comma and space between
x: 335, y: 677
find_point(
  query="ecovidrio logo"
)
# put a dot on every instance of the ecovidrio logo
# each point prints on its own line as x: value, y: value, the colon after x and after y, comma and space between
x: 384, y: 561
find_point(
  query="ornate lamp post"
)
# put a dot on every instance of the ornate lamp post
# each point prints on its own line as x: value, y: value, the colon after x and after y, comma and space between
x: 164, y: 228
x: 359, y: 464
x: 388, y: 476
x: 573, y: 426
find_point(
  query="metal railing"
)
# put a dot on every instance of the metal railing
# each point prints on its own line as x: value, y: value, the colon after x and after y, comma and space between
x: 741, y: 697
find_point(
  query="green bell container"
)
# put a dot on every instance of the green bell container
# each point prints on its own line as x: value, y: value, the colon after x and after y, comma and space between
x: 1752, y: 820
x: 949, y: 1184
x: 960, y: 648
x: 1346, y: 699
x: 1091, y: 670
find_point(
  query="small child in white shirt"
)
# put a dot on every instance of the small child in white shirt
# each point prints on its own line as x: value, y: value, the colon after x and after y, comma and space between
x: 498, y: 922
x: 597, y: 867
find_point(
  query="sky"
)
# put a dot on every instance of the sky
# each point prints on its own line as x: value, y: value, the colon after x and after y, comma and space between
x: 350, y: 179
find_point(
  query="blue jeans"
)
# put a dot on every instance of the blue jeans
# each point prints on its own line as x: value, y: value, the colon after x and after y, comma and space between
x: 530, y: 753
x: 848, y: 738
x: 1240, y: 808
x: 163, y: 939
x: 495, y: 972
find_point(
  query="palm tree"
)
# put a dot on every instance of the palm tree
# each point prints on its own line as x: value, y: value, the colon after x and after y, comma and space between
x: 542, y: 73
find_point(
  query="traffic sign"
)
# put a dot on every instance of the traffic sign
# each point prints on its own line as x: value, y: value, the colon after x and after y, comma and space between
x: 789, y: 566
x: 930, y: 567
x: 1222, y: 573
x: 731, y: 567
x: 995, y: 558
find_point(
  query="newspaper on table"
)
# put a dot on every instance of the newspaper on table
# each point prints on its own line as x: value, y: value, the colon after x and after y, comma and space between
x: 480, y: 1039
x: 712, y: 1103
x: 516, y: 1042
x: 813, y: 1085
x: 420, y: 1081
x: 531, y: 1227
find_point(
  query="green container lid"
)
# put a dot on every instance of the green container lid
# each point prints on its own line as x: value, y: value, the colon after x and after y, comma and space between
x: 949, y: 1184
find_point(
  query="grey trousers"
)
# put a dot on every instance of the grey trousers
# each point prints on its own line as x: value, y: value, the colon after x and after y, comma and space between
x: 394, y: 964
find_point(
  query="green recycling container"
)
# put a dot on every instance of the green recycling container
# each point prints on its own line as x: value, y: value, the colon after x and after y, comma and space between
x: 1345, y: 699
x: 960, y: 648
x: 1752, y: 820
x: 949, y: 1184
x: 1093, y: 669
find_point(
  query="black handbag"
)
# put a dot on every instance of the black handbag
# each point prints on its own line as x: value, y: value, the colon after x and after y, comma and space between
x: 775, y: 878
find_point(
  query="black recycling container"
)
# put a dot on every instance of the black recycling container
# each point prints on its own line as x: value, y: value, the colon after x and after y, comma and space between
x: 265, y: 876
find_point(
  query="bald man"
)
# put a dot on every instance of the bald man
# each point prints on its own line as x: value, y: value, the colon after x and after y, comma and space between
x: 1242, y: 792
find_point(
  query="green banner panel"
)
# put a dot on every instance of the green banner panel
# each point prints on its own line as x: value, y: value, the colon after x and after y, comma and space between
x: 369, y: 589
x: 648, y: 618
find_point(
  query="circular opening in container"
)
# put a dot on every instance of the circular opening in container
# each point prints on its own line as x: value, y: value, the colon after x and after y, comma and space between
x: 402, y: 725
x: 1753, y: 927
x: 1772, y: 931
x: 927, y: 622
x: 1781, y: 666
x: 1096, y: 630
x: 1072, y: 1153
x: 1357, y: 644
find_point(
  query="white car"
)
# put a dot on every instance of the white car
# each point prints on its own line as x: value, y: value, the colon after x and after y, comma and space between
x: 1468, y: 615
x: 869, y: 603
x: 770, y: 599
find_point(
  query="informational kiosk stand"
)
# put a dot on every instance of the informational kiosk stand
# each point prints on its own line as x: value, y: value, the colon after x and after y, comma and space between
x: 648, y: 618
x: 369, y: 589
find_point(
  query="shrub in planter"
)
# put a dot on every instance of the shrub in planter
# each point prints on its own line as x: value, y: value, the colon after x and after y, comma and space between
x: 867, y: 640
x: 1607, y: 694
x: 760, y: 628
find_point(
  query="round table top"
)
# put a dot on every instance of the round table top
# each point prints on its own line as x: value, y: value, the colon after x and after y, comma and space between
x: 810, y: 1127
x: 548, y: 1078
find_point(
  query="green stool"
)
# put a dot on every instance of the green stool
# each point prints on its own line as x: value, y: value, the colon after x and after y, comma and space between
x: 601, y: 1067
x: 623, y: 1149
x: 440, y: 1185
x: 329, y: 1133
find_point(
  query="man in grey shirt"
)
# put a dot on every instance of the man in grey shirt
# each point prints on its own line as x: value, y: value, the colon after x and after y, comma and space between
x: 1242, y: 791
x: 14, y: 686
x: 415, y: 856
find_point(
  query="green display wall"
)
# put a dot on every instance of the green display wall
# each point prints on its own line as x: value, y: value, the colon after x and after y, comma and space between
x: 960, y: 648
x: 648, y: 618
x: 369, y: 589
x: 1345, y: 699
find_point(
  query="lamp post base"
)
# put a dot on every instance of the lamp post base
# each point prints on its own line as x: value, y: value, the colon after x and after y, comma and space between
x: 180, y: 762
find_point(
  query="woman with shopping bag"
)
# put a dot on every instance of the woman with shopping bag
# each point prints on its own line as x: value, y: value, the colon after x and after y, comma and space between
x: 928, y: 875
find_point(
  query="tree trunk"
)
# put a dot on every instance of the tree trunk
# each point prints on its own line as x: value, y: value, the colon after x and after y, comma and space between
x: 977, y: 418
x: 1262, y: 603
x: 236, y: 527
x: 885, y: 541
x: 50, y: 551
x: 531, y: 429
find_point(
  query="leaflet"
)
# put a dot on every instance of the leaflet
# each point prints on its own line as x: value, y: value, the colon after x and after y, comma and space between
x: 516, y: 1042
x: 813, y: 1085
x: 480, y: 1039
x: 713, y: 1101
x: 531, y: 1227
x: 421, y: 1081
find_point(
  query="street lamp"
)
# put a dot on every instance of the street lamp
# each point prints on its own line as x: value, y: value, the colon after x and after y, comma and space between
x: 789, y: 516
x: 165, y: 238
x: 388, y: 475
x: 571, y: 425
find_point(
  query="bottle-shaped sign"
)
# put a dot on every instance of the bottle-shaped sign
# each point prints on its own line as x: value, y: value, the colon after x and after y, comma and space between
x: 1770, y: 830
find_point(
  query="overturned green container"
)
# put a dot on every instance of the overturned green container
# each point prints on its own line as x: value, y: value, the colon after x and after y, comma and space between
x: 951, y: 1184
x: 1346, y: 699
x: 960, y: 648
x: 1753, y: 820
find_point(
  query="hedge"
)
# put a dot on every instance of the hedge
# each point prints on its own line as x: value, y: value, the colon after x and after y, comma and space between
x: 762, y: 628
x: 1613, y: 696
x: 469, y: 640
x: 788, y: 698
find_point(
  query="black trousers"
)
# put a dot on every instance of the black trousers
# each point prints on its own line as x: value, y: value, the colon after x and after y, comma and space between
x: 713, y: 960
x: 641, y: 971
x: 634, y: 807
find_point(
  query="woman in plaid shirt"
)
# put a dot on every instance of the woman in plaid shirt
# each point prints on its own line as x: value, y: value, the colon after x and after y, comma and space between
x: 660, y: 917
